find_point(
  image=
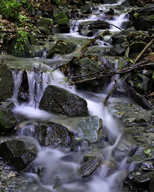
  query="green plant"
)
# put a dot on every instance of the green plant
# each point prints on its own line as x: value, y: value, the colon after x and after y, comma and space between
x: 57, y: 2
x: 26, y: 4
x: 22, y: 37
x: 10, y: 9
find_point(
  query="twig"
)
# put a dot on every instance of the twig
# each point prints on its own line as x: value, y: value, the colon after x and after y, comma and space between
x: 128, y: 70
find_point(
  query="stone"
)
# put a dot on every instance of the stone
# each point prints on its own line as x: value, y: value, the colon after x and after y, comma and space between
x: 90, y: 128
x: 60, y: 101
x: 19, y: 152
x: 7, y: 120
x: 6, y: 83
x: 48, y: 134
x: 61, y: 47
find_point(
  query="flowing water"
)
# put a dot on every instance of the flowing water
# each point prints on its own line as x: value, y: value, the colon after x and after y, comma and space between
x: 53, y: 160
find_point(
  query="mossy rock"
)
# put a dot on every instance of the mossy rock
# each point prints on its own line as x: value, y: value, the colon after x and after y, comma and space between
x: 7, y: 120
x: 60, y: 101
x: 6, y: 83
x: 61, y: 47
x: 61, y: 18
x: 20, y: 46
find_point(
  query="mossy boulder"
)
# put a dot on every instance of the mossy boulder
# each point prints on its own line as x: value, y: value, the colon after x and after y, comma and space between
x: 61, y: 18
x: 7, y: 120
x: 6, y: 83
x: 82, y: 67
x: 20, y: 45
x: 19, y: 152
x: 61, y: 47
x: 60, y: 101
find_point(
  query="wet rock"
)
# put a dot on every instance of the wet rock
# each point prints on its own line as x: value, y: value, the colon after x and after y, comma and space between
x: 86, y: 9
x: 60, y: 101
x: 84, y: 66
x: 7, y: 121
x: 119, y: 45
x: 48, y: 134
x: 62, y: 20
x: 61, y: 47
x: 19, y: 152
x: 140, y: 24
x: 99, y: 25
x: 44, y: 30
x: 90, y: 128
x: 137, y: 46
x: 139, y: 83
x: 18, y: 50
x: 80, y: 145
x: 6, y: 83
x: 93, y: 161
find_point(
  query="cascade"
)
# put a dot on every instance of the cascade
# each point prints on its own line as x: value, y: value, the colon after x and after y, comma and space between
x: 51, y: 159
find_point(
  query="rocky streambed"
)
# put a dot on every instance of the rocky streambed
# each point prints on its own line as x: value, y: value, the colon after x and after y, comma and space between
x: 57, y: 137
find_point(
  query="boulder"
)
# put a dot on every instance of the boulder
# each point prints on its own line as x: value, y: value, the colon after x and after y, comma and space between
x: 60, y: 101
x: 82, y: 67
x: 86, y: 9
x: 19, y: 152
x: 61, y: 47
x: 6, y: 83
x: 7, y: 120
x: 90, y: 128
x: 20, y: 46
x: 48, y: 134
x: 99, y: 25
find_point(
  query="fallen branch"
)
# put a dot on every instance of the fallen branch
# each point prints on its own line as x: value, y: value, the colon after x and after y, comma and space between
x: 90, y: 41
x: 133, y: 93
x: 101, y: 74
x: 145, y: 48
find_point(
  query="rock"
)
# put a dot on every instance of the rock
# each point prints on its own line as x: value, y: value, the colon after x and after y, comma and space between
x: 61, y: 47
x: 140, y: 83
x: 85, y: 66
x: 80, y: 145
x: 44, y: 30
x: 90, y: 128
x: 6, y: 83
x: 60, y: 101
x: 119, y: 45
x: 140, y: 24
x: 62, y: 20
x: 19, y: 152
x: 99, y: 25
x: 48, y: 134
x: 20, y: 46
x: 93, y: 161
x: 86, y: 9
x: 7, y: 120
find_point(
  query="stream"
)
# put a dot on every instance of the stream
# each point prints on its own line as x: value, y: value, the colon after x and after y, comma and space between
x: 59, y: 164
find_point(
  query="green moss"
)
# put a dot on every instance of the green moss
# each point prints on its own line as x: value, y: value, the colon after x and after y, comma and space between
x: 61, y: 18
x: 10, y: 9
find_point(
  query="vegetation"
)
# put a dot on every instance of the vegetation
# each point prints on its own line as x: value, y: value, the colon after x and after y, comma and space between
x: 22, y: 37
x: 10, y: 9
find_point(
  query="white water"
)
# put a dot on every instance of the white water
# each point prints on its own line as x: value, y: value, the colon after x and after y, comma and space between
x: 50, y: 159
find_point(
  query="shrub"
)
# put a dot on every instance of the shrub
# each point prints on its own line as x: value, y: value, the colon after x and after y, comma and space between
x: 10, y: 9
